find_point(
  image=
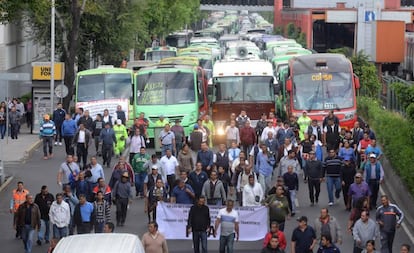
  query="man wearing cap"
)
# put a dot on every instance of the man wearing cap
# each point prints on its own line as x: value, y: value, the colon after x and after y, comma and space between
x: 374, y: 176
x: 47, y: 131
x: 108, y: 139
x: 303, y: 237
x: 179, y: 134
x: 121, y: 135
x: 167, y: 140
x: 357, y: 190
x: 122, y: 194
x: 151, y: 178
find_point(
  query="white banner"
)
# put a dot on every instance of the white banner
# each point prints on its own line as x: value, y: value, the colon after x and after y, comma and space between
x: 99, y: 106
x: 172, y: 221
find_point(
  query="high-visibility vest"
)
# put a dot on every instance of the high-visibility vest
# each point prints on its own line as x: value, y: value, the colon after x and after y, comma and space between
x: 19, y: 197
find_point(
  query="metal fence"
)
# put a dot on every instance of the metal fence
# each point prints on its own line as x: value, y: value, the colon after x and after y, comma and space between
x: 387, y: 94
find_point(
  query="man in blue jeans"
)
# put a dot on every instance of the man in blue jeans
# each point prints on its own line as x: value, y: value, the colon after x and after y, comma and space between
x: 28, y: 218
x: 198, y: 223
x: 229, y: 220
x: 332, y: 170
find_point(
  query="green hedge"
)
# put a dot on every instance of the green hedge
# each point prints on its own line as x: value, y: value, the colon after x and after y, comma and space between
x: 395, y: 133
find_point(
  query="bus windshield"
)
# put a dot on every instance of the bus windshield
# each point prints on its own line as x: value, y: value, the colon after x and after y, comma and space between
x: 159, y: 55
x: 322, y: 91
x: 104, y: 86
x: 165, y: 88
x: 247, y: 88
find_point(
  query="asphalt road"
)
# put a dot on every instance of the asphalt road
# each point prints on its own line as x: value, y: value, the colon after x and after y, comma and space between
x: 37, y: 172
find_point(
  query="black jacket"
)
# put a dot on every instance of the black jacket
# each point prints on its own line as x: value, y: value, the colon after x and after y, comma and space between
x: 199, y: 218
x: 44, y: 204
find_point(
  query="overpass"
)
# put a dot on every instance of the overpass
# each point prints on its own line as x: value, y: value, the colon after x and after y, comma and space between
x: 237, y: 5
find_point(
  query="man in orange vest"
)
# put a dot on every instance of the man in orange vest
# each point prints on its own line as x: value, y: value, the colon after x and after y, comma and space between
x: 18, y: 198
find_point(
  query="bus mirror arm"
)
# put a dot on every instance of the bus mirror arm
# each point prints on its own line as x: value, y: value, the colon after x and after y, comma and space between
x: 356, y: 81
x: 289, y: 84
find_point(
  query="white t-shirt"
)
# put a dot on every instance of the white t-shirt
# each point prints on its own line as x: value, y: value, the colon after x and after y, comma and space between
x: 228, y: 221
x: 169, y: 164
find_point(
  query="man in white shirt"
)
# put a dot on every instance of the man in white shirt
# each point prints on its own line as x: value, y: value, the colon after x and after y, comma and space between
x: 266, y: 130
x: 252, y: 193
x: 170, y: 165
x: 228, y: 218
x: 59, y: 215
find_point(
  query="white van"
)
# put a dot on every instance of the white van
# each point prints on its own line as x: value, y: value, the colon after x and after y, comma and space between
x: 108, y: 243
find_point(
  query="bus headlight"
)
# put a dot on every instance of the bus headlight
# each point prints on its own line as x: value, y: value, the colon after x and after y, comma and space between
x: 220, y: 127
x: 349, y: 116
x: 193, y: 117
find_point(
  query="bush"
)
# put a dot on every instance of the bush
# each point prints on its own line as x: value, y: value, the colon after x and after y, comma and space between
x: 394, y: 132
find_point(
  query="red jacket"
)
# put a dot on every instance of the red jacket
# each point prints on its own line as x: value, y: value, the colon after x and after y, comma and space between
x: 282, y: 239
x: 247, y: 136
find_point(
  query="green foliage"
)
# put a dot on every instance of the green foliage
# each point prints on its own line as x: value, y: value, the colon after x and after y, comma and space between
x: 347, y: 51
x: 367, y: 73
x: 395, y: 133
x: 279, y: 30
x: 293, y: 32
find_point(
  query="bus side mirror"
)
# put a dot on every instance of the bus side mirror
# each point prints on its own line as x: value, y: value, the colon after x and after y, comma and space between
x: 276, y: 89
x: 289, y: 85
x: 357, y: 84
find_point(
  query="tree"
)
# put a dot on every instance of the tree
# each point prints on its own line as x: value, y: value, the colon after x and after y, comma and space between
x: 104, y: 30
x: 367, y: 73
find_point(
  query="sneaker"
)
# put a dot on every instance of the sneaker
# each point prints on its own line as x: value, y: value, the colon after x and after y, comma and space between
x: 330, y: 204
x: 312, y: 204
x: 39, y: 242
x: 60, y: 143
x: 45, y: 158
x: 56, y: 143
x: 292, y: 214
x: 316, y: 200
x: 47, y: 242
x: 337, y: 194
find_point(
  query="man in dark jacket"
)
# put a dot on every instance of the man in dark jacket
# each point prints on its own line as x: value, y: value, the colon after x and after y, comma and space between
x: 107, y: 139
x: 97, y: 127
x: 86, y: 120
x: 44, y: 201
x: 81, y: 140
x: 313, y: 175
x: 332, y: 170
x: 58, y: 117
x: 198, y: 223
x: 28, y: 219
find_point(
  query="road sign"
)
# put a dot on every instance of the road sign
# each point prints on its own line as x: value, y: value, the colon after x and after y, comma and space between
x: 369, y: 16
x: 41, y: 71
x: 15, y: 77
x: 61, y: 91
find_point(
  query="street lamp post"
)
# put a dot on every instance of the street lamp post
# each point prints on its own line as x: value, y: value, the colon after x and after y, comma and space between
x: 52, y: 55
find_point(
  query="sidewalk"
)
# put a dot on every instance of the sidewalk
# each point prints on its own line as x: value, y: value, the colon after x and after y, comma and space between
x: 13, y: 151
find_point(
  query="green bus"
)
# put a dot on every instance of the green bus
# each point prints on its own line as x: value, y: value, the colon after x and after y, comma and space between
x: 175, y: 88
x: 103, y: 88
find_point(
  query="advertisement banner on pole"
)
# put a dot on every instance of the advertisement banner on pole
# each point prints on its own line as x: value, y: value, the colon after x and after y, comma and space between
x: 172, y: 221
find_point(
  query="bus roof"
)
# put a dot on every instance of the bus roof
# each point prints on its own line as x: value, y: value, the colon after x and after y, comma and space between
x: 286, y: 55
x: 101, y: 70
x: 240, y: 68
x: 180, y: 60
x: 327, y: 62
x: 162, y: 48
x: 194, y: 50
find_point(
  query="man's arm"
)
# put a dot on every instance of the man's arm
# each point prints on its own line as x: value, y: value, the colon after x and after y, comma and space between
x: 236, y: 229
x: 216, y: 225
x: 292, y: 247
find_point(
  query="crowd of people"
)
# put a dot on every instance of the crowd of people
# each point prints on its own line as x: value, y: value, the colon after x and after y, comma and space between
x: 13, y: 113
x: 253, y: 166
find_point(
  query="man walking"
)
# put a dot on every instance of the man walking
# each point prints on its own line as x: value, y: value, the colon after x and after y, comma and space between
x: 374, y: 176
x: 84, y: 215
x: 59, y: 215
x: 58, y: 118
x: 18, y: 197
x: 68, y: 130
x: 303, y: 237
x: 228, y: 218
x: 14, y: 122
x: 328, y: 224
x: 167, y: 140
x: 313, y: 176
x: 386, y: 217
x: 47, y: 131
x: 332, y: 170
x: 122, y: 194
x: 213, y: 189
x: 82, y: 140
x: 364, y: 229
x: 108, y: 139
x: 138, y: 162
x: 44, y: 201
x: 198, y: 223
x: 28, y: 218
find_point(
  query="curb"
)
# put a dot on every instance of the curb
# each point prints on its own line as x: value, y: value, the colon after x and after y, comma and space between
x: 28, y: 152
x: 6, y: 183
